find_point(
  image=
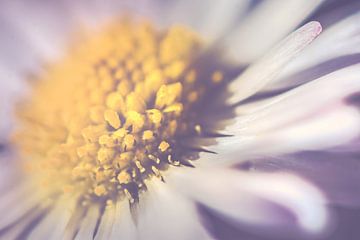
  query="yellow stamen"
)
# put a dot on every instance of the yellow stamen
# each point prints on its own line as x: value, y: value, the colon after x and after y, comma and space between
x: 102, y: 119
x: 164, y: 146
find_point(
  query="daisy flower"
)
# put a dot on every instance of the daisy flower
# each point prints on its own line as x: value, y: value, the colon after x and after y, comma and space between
x: 150, y: 119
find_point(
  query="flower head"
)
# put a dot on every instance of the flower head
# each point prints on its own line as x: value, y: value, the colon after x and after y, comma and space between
x: 133, y: 127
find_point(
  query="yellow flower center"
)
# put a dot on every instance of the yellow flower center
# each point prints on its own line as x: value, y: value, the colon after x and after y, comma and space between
x: 109, y: 115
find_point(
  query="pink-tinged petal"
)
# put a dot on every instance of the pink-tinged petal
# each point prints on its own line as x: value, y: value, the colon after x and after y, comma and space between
x: 246, y: 197
x: 268, y: 68
x: 265, y: 26
x: 340, y: 40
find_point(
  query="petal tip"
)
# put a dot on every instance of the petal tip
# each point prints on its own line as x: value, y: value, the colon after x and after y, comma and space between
x: 316, y: 27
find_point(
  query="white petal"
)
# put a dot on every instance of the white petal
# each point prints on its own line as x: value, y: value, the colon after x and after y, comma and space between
x: 302, y: 119
x: 10, y: 175
x: 298, y: 104
x: 54, y: 223
x: 11, y: 87
x: 74, y: 223
x: 321, y: 167
x: 165, y: 214
x: 106, y: 224
x: 11, y: 211
x: 333, y: 128
x: 339, y: 40
x: 244, y: 196
x: 123, y: 227
x: 220, y: 16
x: 88, y: 224
x: 268, y: 68
x: 44, y: 25
x: 268, y: 24
x: 185, y: 12
x: 96, y: 13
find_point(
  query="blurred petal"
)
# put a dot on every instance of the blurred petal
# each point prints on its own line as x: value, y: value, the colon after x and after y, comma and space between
x: 88, y: 224
x: 106, y: 225
x: 220, y: 16
x: 165, y: 213
x: 11, y: 88
x: 11, y: 210
x: 123, y: 226
x: 246, y: 197
x: 95, y: 13
x: 336, y: 173
x: 44, y: 25
x: 211, y: 18
x: 267, y: 25
x: 267, y: 68
x: 53, y: 225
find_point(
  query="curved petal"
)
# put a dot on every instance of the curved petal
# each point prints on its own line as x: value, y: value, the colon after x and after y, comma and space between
x: 336, y: 173
x: 165, y: 213
x: 245, y: 197
x: 267, y: 25
x: 268, y: 68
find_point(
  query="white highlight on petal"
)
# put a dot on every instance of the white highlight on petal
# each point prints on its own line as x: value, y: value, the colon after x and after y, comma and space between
x: 268, y: 68
x: 246, y: 197
x: 165, y: 214
x: 123, y: 226
x: 268, y: 24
